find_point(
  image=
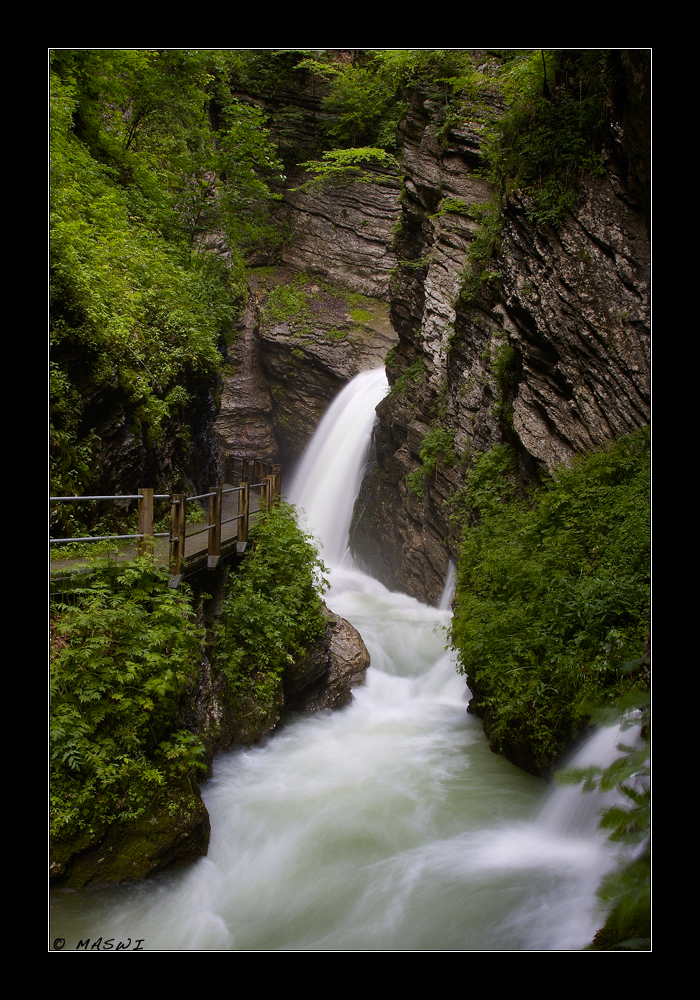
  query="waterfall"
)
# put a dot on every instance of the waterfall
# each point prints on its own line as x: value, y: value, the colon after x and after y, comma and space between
x: 326, y: 483
x: 387, y: 826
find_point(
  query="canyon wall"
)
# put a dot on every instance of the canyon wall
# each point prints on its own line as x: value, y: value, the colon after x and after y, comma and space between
x: 546, y: 349
x: 550, y: 353
x: 314, y: 322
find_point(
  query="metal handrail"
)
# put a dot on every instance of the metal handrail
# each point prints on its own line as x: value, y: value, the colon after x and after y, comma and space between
x: 116, y: 496
x: 107, y: 538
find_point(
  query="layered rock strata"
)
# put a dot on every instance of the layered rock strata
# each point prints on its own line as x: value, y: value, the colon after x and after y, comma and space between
x: 302, y: 339
x: 549, y: 352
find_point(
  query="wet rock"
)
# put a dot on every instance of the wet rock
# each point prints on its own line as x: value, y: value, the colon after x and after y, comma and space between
x: 302, y: 340
x: 172, y: 833
x: 331, y: 670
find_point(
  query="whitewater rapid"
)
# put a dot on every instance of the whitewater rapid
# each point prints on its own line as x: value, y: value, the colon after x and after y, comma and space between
x: 387, y: 826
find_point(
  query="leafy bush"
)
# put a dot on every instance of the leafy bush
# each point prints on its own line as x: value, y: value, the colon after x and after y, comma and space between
x: 124, y: 652
x: 341, y: 167
x: 554, y: 129
x: 139, y: 307
x: 272, y: 611
x: 627, y: 890
x: 553, y: 590
x: 438, y: 445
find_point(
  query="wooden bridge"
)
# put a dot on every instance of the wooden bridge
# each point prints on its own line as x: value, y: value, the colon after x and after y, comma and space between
x: 188, y: 546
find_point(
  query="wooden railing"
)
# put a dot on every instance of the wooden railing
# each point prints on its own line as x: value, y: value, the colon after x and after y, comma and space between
x: 221, y: 539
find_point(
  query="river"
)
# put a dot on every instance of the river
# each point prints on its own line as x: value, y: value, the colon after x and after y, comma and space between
x: 389, y: 825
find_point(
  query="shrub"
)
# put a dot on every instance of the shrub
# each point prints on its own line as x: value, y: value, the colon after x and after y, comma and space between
x: 124, y: 652
x: 273, y: 610
x: 553, y: 590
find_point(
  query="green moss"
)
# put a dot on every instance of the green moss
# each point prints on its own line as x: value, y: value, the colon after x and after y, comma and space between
x: 411, y: 376
x: 287, y: 303
x: 361, y: 315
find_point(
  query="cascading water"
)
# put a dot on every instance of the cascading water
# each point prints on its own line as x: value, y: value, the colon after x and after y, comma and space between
x: 389, y: 825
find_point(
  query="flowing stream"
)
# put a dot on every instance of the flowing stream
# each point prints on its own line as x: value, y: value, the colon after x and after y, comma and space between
x: 389, y: 825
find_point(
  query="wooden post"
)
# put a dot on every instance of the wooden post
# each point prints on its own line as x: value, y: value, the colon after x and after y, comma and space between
x: 177, y: 535
x: 244, y: 471
x: 214, y: 548
x: 243, y: 507
x: 269, y: 492
x: 145, y: 527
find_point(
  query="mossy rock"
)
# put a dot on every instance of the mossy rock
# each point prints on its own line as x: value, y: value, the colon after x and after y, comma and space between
x: 173, y: 832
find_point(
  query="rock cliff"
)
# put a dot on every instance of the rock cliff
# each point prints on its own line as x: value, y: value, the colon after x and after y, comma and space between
x: 547, y: 349
x: 549, y: 353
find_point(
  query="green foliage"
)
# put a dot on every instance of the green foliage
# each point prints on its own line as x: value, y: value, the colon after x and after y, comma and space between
x: 453, y: 206
x: 357, y: 104
x: 272, y: 611
x: 412, y: 375
x: 553, y: 590
x: 554, y: 129
x: 438, y: 446
x: 503, y: 368
x: 124, y: 652
x: 139, y: 308
x: 341, y: 167
x: 416, y: 483
x: 482, y: 250
x: 626, y: 891
x: 287, y: 302
x: 247, y: 165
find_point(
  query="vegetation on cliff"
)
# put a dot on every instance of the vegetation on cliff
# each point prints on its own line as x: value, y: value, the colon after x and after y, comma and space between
x: 272, y: 611
x: 124, y: 653
x: 552, y: 600
x: 126, y: 659
x: 141, y: 301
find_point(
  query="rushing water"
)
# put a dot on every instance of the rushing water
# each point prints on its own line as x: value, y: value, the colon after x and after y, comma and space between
x: 389, y: 825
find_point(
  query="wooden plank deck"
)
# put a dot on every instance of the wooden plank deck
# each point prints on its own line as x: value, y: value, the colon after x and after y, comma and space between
x: 66, y: 572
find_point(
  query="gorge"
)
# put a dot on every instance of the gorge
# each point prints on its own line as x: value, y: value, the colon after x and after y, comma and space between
x: 507, y: 298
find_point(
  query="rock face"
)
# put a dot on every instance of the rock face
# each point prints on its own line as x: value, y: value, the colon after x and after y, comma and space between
x: 322, y: 679
x: 316, y: 321
x: 164, y: 837
x: 551, y: 354
x: 244, y: 422
x: 343, y: 233
x: 335, y: 672
x: 302, y: 340
x: 575, y: 307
